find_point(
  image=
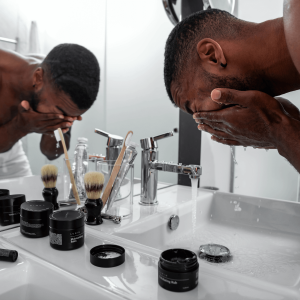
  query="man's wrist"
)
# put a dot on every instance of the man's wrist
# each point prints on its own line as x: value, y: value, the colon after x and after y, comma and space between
x: 285, y: 134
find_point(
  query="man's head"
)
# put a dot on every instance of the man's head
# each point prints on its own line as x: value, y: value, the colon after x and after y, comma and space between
x: 199, y: 57
x: 67, y: 81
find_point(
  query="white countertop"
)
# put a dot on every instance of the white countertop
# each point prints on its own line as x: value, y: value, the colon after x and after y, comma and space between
x: 137, y: 278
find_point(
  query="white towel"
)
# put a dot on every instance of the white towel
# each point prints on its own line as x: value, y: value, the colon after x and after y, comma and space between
x: 14, y: 163
x: 34, y: 42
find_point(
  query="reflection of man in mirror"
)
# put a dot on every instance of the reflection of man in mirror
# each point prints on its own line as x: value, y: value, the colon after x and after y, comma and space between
x: 41, y: 96
x: 226, y: 72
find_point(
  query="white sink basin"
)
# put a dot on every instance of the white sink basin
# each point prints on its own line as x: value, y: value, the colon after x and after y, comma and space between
x: 30, y: 278
x: 262, y: 234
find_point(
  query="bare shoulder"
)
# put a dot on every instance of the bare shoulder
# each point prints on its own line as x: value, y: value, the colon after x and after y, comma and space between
x: 10, y: 58
x: 291, y: 22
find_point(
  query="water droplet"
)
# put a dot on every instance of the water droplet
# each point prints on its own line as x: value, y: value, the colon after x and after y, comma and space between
x: 57, y: 145
x: 257, y: 220
x: 232, y: 153
x: 245, y: 148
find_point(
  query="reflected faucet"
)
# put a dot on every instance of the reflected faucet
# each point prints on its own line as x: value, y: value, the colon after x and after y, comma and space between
x: 151, y: 166
x: 113, y: 148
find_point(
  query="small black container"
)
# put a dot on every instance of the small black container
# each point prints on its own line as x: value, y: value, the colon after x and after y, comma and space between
x: 34, y: 218
x: 67, y: 229
x: 8, y: 255
x: 50, y: 195
x: 178, y: 270
x: 4, y: 192
x: 107, y: 256
x: 93, y: 208
x: 10, y: 209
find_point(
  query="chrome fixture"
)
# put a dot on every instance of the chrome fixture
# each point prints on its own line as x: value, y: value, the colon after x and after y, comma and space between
x: 150, y: 167
x: 175, y: 9
x: 10, y: 41
x: 173, y: 222
x: 114, y: 146
x: 115, y: 219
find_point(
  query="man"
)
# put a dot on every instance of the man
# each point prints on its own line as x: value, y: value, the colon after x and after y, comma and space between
x: 213, y: 49
x: 42, y: 96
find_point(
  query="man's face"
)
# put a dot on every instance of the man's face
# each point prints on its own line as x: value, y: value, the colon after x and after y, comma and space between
x: 192, y: 92
x: 47, y: 100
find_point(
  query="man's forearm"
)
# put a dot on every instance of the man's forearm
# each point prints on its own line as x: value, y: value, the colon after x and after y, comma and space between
x: 48, y: 146
x: 288, y: 141
x: 10, y: 134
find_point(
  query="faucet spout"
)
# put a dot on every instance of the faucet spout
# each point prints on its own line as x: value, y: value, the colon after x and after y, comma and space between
x: 193, y: 171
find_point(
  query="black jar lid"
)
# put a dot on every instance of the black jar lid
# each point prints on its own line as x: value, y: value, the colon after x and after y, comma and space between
x: 36, y: 209
x: 179, y: 260
x: 4, y: 192
x: 107, y: 256
x: 11, y: 200
x: 66, y: 219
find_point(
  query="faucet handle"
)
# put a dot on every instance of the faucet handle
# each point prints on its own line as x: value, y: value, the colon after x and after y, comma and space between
x: 150, y: 143
x: 112, y: 140
x: 162, y: 136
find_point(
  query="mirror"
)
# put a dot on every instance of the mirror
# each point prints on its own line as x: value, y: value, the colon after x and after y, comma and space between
x: 132, y: 95
x: 174, y: 8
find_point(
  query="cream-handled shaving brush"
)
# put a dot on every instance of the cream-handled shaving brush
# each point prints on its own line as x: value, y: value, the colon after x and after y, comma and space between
x: 93, y: 182
x: 49, y: 177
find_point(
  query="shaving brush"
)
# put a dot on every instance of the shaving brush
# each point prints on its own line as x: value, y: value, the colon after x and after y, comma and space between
x: 49, y: 177
x: 93, y: 182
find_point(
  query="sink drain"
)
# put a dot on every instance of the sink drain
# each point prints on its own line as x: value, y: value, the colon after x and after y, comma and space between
x: 214, y: 253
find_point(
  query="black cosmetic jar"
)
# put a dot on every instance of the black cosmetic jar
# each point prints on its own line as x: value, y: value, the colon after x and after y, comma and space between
x: 10, y: 209
x: 178, y: 270
x: 66, y: 229
x: 34, y: 218
x: 4, y: 192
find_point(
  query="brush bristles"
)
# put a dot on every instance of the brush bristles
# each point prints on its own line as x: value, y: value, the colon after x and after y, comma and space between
x: 93, y: 182
x: 49, y: 175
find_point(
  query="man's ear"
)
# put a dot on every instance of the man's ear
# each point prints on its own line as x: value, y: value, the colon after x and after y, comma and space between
x: 211, y: 53
x: 38, y: 78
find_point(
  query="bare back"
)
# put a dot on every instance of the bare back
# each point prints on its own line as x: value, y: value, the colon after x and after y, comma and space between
x: 12, y: 69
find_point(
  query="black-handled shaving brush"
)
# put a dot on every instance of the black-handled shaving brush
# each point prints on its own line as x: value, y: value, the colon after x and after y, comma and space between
x: 93, y: 182
x: 49, y: 177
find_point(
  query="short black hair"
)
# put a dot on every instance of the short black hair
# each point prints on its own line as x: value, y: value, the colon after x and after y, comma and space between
x: 74, y: 70
x: 183, y: 39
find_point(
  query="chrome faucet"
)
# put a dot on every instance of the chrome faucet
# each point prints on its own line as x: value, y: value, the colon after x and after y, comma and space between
x: 151, y: 166
x: 113, y: 148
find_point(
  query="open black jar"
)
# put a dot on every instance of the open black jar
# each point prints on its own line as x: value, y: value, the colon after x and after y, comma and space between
x: 178, y: 270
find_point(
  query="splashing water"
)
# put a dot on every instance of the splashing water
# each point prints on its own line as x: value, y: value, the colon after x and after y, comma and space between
x: 232, y: 153
x: 252, y: 253
x: 194, y: 182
